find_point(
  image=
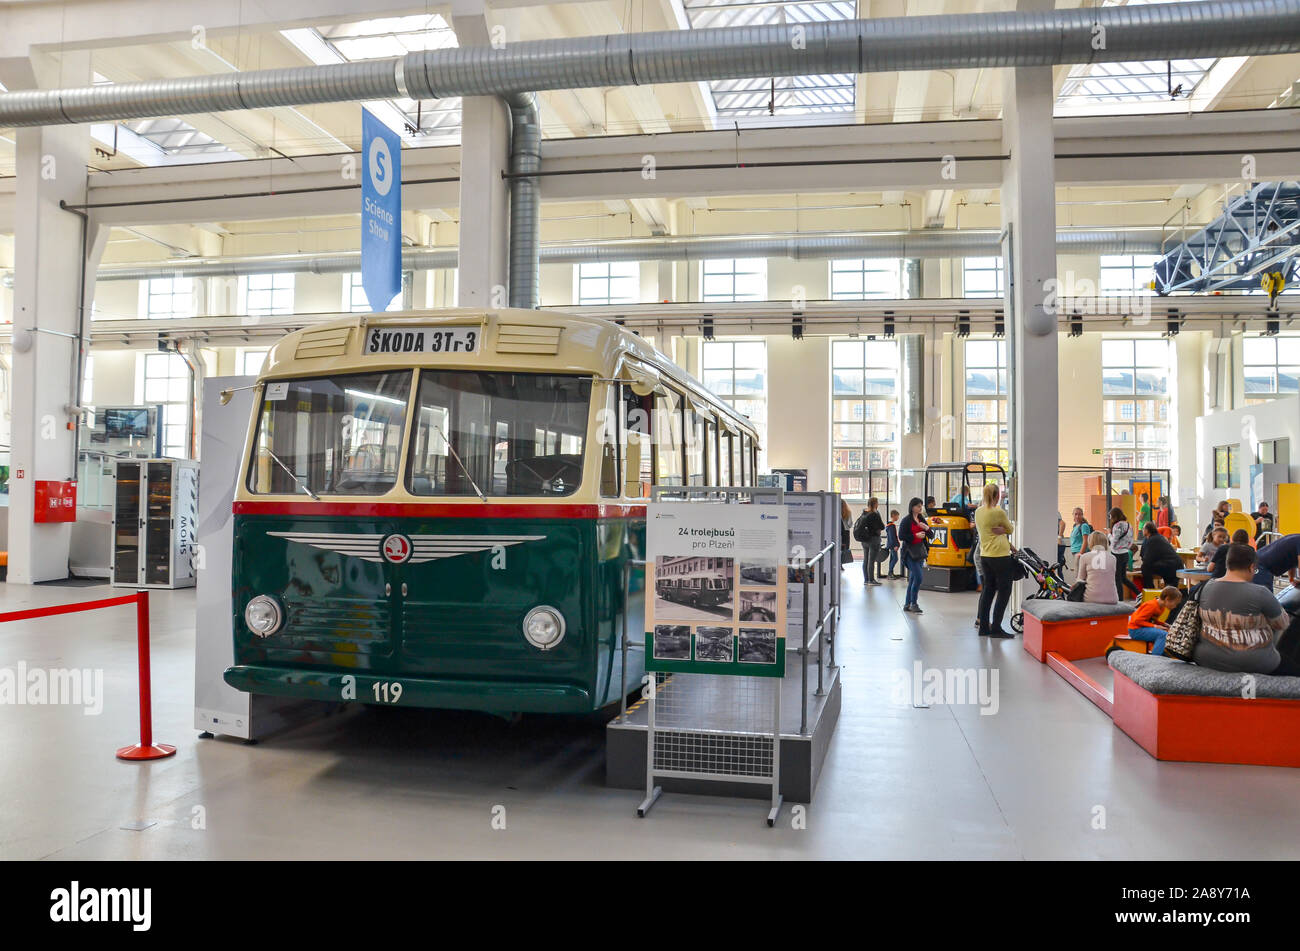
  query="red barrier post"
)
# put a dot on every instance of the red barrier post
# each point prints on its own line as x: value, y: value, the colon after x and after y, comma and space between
x: 145, y: 749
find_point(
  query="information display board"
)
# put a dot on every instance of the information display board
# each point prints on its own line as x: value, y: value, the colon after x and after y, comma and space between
x: 717, y: 573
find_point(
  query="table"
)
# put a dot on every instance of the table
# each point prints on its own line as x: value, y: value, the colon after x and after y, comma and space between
x: 1195, y: 575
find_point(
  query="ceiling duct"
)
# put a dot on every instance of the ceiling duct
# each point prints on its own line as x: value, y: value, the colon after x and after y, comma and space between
x: 919, y: 244
x: 1164, y: 31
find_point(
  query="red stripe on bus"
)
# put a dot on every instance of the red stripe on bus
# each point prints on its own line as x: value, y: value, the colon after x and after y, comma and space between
x: 440, y: 510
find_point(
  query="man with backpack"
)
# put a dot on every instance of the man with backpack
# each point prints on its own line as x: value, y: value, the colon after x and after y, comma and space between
x: 868, y: 529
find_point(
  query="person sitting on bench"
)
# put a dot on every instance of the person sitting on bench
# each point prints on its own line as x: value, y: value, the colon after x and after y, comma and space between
x: 1240, y: 622
x: 1144, y: 624
x: 1158, y: 558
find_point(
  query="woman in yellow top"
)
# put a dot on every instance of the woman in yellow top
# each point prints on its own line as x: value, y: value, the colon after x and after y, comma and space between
x: 995, y: 554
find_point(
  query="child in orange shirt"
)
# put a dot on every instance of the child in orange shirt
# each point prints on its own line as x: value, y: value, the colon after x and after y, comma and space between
x: 1144, y: 623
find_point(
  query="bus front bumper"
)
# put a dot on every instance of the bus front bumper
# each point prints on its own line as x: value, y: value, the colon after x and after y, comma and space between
x: 490, y: 696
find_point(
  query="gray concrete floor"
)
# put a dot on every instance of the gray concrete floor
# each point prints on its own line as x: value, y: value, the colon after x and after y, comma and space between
x: 1030, y: 782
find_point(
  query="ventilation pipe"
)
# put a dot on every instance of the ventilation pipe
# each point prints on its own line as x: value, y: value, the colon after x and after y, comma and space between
x: 1167, y: 31
x: 525, y: 200
x: 1164, y: 31
x: 920, y: 244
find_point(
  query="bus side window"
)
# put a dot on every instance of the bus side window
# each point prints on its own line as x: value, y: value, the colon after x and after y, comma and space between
x: 724, y: 457
x: 634, y: 444
x: 746, y: 468
x: 694, y: 447
x: 608, y: 433
x: 666, y: 433
x: 711, y: 453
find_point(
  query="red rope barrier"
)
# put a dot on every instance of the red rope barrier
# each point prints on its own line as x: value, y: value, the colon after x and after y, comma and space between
x: 146, y: 749
x: 66, y: 608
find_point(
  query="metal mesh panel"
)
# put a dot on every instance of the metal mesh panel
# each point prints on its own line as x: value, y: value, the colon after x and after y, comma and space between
x: 714, y: 727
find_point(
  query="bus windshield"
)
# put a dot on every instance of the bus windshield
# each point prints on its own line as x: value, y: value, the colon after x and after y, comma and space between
x: 337, y: 435
x: 504, y: 433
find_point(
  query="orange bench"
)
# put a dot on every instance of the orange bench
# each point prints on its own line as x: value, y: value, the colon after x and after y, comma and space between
x: 1181, y: 712
x: 1073, y: 630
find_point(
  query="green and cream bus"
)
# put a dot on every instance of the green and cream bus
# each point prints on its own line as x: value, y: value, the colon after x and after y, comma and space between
x: 436, y: 509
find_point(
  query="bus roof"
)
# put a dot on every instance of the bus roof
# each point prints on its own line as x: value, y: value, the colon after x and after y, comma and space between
x: 511, y: 340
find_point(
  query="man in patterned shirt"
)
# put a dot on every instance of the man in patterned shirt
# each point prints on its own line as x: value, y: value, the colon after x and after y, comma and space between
x: 1240, y: 622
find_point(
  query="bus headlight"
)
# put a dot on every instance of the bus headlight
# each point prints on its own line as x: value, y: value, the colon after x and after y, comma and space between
x: 263, y: 616
x: 544, y: 627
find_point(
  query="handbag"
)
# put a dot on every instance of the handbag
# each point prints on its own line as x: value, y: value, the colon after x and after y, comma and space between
x: 1077, y: 592
x: 1180, y: 642
x: 918, y: 551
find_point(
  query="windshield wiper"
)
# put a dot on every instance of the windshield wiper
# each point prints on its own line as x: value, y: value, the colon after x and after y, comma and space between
x: 298, y: 482
x: 465, y: 471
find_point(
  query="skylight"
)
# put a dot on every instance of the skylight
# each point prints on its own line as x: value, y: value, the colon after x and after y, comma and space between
x: 431, y: 122
x: 1094, y: 86
x: 788, y: 97
x: 176, y: 137
x: 1148, y: 81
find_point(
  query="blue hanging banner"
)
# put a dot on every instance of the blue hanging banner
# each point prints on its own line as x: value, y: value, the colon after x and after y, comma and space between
x: 381, y: 212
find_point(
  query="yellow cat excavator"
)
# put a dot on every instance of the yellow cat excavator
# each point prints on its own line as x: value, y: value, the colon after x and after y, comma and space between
x: 953, y: 490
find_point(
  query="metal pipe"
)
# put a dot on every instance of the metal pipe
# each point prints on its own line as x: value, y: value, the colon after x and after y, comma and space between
x: 525, y: 200
x: 914, y: 244
x: 1212, y: 28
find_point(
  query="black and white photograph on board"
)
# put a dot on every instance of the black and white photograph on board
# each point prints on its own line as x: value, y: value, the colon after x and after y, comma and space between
x: 672, y: 642
x: 714, y: 644
x: 757, y: 645
x: 758, y: 572
x: 694, y: 588
x: 758, y: 606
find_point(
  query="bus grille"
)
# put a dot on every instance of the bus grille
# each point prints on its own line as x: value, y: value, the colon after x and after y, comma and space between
x: 332, y: 622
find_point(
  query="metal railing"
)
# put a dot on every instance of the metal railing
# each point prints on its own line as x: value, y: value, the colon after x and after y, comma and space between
x: 821, y: 635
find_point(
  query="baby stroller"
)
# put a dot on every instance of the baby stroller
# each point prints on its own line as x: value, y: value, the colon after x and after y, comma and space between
x: 1051, y: 582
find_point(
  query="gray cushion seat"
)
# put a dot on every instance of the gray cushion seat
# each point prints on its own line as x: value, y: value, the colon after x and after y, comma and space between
x: 1164, y: 675
x: 1046, y: 610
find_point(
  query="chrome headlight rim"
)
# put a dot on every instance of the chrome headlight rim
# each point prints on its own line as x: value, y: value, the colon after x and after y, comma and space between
x: 558, y: 618
x: 277, y: 615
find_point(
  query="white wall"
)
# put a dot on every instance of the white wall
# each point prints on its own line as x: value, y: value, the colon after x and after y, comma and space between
x: 1244, y: 428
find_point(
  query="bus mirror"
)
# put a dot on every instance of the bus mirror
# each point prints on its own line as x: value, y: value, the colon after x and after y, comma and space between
x: 642, y: 379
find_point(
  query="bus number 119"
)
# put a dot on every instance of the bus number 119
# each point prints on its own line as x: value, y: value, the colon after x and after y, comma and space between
x: 387, y: 692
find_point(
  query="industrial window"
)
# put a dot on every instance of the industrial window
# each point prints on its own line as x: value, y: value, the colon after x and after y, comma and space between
x: 168, y: 298
x: 1227, y: 467
x: 864, y: 412
x: 982, y: 277
x: 736, y: 372
x: 1135, y: 387
x: 164, y: 378
x: 863, y: 278
x: 88, y: 380
x: 267, y: 294
x: 1270, y: 368
x: 734, y: 279
x: 250, y: 362
x: 1127, y: 274
x: 355, y: 294
x: 985, y: 431
x: 617, y: 283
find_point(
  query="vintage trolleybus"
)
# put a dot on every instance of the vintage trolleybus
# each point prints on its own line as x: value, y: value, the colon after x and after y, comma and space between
x: 436, y: 509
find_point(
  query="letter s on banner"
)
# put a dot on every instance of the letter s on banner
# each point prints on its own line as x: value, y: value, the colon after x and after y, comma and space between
x: 381, y: 212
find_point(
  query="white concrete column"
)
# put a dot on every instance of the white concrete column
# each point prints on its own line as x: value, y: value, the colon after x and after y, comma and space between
x: 1029, y: 215
x: 51, y: 166
x: 666, y: 292
x: 484, y: 203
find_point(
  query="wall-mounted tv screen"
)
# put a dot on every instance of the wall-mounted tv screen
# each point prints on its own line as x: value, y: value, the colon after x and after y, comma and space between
x: 126, y: 422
